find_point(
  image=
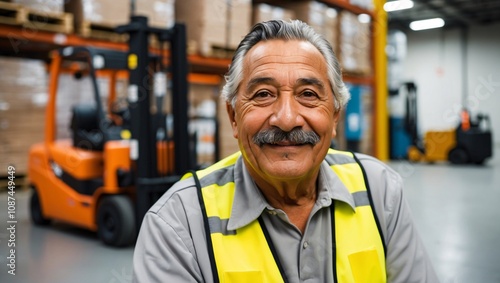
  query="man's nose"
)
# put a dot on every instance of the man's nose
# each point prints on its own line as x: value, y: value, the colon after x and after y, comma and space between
x: 286, y: 113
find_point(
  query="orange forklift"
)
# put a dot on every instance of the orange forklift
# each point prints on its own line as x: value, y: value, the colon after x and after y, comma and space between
x: 470, y: 142
x: 117, y: 163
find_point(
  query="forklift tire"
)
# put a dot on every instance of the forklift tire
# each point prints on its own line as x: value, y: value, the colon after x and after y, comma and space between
x: 458, y: 156
x: 479, y: 162
x: 116, y: 221
x: 36, y: 210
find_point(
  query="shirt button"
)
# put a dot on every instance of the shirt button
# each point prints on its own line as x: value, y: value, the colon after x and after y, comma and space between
x: 306, y: 244
x: 272, y: 212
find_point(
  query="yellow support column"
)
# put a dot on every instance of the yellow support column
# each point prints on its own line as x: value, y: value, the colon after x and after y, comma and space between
x: 381, y: 122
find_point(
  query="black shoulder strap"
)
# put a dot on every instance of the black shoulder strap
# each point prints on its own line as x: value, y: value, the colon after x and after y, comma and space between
x: 273, y: 249
x: 370, y: 198
x: 334, y: 242
x: 210, y: 247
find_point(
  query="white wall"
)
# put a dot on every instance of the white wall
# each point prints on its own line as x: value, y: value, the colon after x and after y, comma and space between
x: 434, y: 62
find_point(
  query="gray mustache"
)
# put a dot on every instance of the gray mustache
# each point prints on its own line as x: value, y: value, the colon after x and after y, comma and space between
x: 276, y: 135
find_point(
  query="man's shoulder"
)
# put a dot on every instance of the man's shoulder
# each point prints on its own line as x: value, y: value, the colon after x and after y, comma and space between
x: 177, y: 197
x: 370, y: 164
x: 375, y: 166
x: 383, y: 180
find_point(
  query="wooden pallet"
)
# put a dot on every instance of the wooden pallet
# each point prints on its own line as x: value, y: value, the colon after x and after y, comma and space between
x: 221, y: 52
x: 209, y: 50
x: 54, y: 22
x: 12, y: 14
x: 32, y: 20
x: 101, y: 31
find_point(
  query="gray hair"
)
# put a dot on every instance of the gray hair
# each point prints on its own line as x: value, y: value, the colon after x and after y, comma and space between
x: 292, y: 30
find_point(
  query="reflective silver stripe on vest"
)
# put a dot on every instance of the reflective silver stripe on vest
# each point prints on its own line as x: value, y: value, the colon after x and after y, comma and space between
x: 361, y: 198
x: 218, y: 225
x: 219, y: 177
x: 339, y: 159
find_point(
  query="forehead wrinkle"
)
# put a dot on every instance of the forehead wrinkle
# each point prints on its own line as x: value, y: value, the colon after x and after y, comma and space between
x: 260, y: 80
x: 303, y: 81
x: 310, y: 81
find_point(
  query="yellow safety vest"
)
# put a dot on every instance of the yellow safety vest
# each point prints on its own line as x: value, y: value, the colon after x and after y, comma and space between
x: 246, y: 255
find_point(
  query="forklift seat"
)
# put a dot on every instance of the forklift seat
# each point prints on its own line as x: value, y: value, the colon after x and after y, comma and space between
x: 85, y: 128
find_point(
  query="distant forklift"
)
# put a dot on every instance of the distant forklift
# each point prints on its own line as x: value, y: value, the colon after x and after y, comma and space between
x: 470, y: 142
x: 112, y: 170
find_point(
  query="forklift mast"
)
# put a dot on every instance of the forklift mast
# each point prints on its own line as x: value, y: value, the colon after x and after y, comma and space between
x: 149, y: 185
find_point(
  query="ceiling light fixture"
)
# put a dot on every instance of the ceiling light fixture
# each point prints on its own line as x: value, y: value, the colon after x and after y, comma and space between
x: 398, y: 5
x: 427, y: 24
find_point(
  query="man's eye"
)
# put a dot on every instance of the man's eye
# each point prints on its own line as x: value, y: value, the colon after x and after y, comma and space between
x: 308, y: 93
x: 262, y: 94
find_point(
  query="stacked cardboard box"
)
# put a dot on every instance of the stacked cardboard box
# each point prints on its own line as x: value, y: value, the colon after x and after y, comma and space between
x: 265, y: 12
x: 49, y: 6
x: 22, y: 110
x: 214, y: 25
x: 105, y: 12
x: 98, y: 18
x: 322, y: 18
x: 160, y: 13
x: 355, y: 44
x: 239, y: 21
x: 206, y: 24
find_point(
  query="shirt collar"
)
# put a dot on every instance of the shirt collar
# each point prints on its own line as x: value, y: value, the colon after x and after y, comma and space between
x: 331, y: 186
x: 249, y: 202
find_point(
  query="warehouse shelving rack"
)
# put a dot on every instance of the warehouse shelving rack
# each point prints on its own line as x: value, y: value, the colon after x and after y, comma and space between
x: 36, y: 44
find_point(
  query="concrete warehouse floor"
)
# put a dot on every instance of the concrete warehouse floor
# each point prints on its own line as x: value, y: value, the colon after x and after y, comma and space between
x: 454, y: 207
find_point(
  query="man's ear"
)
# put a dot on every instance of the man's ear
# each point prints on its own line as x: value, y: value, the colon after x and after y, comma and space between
x: 232, y: 119
x: 336, y: 118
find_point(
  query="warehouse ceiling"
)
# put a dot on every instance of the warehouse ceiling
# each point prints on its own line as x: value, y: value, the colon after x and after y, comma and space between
x: 455, y: 13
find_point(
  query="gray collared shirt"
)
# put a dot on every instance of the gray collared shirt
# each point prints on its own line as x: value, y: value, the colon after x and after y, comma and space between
x: 171, y: 246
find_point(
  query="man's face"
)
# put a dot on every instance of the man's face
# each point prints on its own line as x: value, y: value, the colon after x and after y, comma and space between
x: 285, y: 87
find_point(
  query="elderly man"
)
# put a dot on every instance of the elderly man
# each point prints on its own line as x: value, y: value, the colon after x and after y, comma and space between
x: 287, y: 208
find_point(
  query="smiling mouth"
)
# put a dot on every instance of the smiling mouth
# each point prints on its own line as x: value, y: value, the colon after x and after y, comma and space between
x: 285, y: 143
